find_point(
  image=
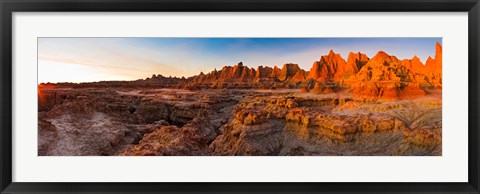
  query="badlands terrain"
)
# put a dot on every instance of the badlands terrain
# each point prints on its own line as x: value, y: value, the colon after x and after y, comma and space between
x: 354, y: 106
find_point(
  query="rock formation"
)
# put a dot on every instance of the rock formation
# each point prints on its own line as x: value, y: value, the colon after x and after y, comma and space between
x: 288, y: 71
x: 331, y: 67
x: 362, y: 106
x: 385, y: 77
x: 263, y: 72
x: 298, y: 77
x: 355, y: 62
x: 382, y: 77
x: 434, y: 67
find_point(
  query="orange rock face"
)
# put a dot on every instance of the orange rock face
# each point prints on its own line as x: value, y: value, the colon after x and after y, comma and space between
x: 385, y: 77
x: 263, y: 72
x: 331, y: 110
x: 288, y: 71
x: 382, y: 77
x: 237, y: 73
x: 318, y: 72
x: 299, y: 76
x: 354, y: 63
x: 331, y: 67
x: 430, y: 74
x: 414, y: 64
x: 434, y: 67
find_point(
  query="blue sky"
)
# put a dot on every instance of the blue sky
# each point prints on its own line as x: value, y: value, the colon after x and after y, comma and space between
x: 96, y: 59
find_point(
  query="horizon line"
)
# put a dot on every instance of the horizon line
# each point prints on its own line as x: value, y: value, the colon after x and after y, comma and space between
x: 250, y: 67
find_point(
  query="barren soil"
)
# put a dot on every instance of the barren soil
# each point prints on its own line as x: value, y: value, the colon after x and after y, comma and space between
x: 271, y: 122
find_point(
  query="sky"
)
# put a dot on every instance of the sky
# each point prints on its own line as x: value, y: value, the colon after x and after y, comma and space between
x: 98, y: 59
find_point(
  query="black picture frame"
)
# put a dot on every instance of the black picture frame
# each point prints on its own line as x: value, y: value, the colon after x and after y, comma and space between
x: 7, y: 7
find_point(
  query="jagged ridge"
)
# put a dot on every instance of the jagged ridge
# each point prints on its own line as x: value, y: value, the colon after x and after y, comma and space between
x: 382, y: 76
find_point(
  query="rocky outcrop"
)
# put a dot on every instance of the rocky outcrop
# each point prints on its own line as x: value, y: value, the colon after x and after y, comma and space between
x: 331, y: 67
x: 298, y: 77
x: 190, y: 140
x: 324, y: 88
x: 289, y: 71
x: 228, y: 74
x: 339, y: 107
x: 170, y: 141
x: 240, y: 75
x: 319, y: 72
x: 434, y: 67
x: 355, y: 62
x: 382, y: 77
x: 263, y: 72
x: 104, y: 122
x: 306, y: 126
x: 385, y: 77
x: 415, y: 65
x: 223, y: 122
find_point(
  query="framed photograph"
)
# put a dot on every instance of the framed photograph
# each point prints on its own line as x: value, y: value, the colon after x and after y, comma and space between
x: 312, y: 96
